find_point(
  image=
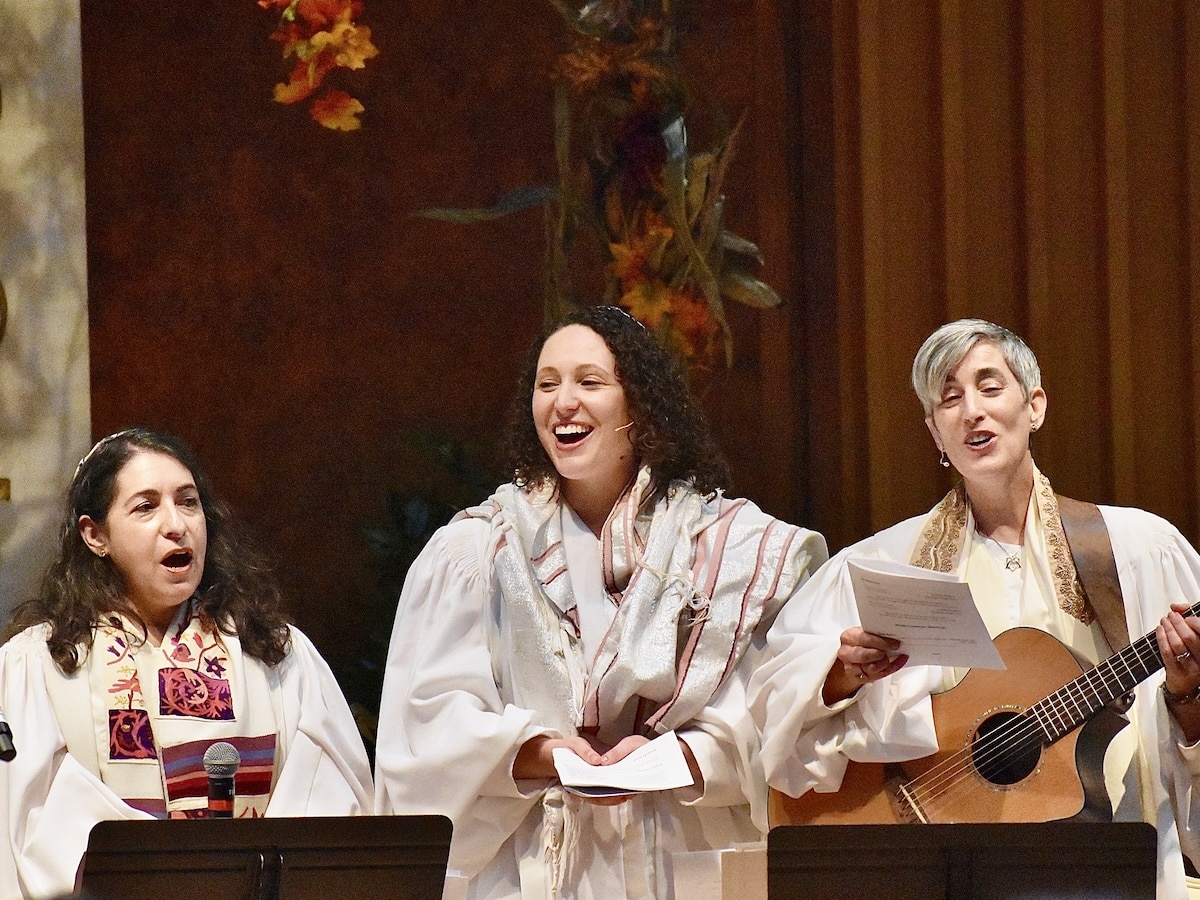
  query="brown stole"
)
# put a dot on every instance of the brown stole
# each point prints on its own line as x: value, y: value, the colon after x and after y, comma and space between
x: 1091, y: 549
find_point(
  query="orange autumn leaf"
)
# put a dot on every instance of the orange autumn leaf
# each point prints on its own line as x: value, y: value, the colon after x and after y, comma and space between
x: 349, y: 44
x: 628, y: 263
x: 321, y: 35
x: 295, y: 90
x: 320, y: 13
x: 692, y: 319
x: 641, y: 254
x: 294, y: 40
x: 337, y: 110
x: 647, y: 301
x: 584, y: 69
x: 305, y: 78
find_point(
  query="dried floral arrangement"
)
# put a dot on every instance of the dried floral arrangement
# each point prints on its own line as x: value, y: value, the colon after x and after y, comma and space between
x: 627, y: 180
x: 321, y: 36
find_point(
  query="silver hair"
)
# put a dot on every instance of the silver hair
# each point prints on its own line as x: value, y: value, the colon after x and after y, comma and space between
x: 945, y: 348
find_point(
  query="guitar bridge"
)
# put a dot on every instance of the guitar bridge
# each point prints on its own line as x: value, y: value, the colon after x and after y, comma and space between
x: 905, y: 805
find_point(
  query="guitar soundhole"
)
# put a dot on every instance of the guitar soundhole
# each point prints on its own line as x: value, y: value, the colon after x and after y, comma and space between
x: 1006, y: 748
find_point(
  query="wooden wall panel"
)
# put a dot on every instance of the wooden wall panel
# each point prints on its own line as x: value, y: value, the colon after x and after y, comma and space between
x: 1157, y: 260
x: 736, y: 59
x: 904, y: 282
x: 833, y: 464
x: 768, y: 133
x: 259, y: 284
x: 982, y: 153
x: 1122, y: 393
x: 1191, y: 229
x: 1068, y: 319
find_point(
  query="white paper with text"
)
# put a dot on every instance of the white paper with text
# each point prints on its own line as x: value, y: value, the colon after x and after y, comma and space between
x: 932, y: 614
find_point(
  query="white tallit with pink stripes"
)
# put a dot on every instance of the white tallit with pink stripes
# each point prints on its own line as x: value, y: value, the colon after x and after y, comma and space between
x: 691, y: 580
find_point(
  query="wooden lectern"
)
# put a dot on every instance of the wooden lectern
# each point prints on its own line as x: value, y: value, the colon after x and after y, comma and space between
x: 401, y: 857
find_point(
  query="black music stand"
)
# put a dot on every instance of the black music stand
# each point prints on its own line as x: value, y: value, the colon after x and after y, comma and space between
x: 1034, y: 861
x: 402, y: 857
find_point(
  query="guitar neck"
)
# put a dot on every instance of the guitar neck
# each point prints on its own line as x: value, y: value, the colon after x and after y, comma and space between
x: 1074, y: 703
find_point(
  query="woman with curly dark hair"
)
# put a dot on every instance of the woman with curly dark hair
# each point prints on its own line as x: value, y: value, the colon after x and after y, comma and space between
x: 608, y: 595
x: 157, y: 632
x: 669, y: 433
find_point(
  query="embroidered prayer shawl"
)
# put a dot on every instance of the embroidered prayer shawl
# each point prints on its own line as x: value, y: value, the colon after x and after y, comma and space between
x: 141, y: 717
x: 691, y: 580
x: 950, y: 527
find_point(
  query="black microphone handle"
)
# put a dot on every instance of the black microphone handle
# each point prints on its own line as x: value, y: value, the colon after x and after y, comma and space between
x: 8, y: 750
x: 220, y: 797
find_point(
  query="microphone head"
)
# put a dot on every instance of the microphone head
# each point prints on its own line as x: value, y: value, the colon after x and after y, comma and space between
x: 221, y: 760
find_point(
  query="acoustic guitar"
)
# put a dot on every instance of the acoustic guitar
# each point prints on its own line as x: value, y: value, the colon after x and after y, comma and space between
x: 1008, y: 752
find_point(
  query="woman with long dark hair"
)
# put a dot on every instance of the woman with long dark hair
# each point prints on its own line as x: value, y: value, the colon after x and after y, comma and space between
x: 158, y: 631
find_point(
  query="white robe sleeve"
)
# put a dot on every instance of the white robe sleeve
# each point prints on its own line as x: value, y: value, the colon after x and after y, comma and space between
x: 325, y: 771
x: 725, y: 743
x: 724, y: 737
x: 806, y: 744
x: 447, y: 740
x: 48, y: 800
x: 1157, y: 566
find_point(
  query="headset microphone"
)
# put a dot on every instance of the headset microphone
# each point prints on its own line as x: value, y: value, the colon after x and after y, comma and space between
x: 623, y: 427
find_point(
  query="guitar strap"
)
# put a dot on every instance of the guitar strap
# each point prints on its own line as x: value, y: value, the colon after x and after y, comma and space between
x: 1091, y: 549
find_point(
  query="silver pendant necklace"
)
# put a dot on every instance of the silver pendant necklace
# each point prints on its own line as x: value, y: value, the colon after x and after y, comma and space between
x: 1012, y: 561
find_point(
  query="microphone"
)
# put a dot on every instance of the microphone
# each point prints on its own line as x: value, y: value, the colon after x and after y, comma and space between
x: 8, y: 750
x: 623, y: 427
x: 221, y: 761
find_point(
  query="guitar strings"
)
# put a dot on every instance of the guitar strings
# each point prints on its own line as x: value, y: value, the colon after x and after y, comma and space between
x: 945, y: 782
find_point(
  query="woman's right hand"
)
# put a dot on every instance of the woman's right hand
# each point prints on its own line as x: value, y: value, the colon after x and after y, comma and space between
x: 535, y: 759
x: 862, y: 658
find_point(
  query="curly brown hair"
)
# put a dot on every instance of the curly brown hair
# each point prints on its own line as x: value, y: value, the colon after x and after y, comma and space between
x: 671, y: 435
x: 237, y: 594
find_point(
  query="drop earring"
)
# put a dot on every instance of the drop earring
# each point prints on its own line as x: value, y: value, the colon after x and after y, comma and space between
x: 945, y: 460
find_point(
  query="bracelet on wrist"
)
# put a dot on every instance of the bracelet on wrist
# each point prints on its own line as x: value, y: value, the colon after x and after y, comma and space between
x: 1170, y: 696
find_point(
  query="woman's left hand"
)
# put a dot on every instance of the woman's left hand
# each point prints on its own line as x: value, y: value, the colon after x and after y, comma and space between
x: 1178, y: 639
x: 615, y: 754
x: 627, y: 745
x: 622, y: 749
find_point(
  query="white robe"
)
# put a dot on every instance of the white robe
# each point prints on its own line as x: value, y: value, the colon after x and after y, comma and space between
x: 806, y: 744
x: 49, y: 799
x: 450, y: 731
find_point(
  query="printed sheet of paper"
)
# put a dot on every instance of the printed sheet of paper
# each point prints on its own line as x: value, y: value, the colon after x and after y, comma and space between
x: 656, y: 766
x: 932, y: 614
